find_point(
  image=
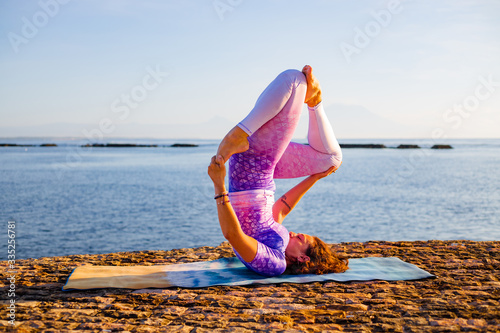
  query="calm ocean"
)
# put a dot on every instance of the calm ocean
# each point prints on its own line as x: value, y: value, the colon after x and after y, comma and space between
x: 67, y: 200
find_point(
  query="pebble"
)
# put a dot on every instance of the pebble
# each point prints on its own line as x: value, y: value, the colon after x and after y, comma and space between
x: 464, y: 296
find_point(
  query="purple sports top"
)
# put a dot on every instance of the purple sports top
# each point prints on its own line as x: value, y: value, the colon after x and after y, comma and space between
x: 254, y: 211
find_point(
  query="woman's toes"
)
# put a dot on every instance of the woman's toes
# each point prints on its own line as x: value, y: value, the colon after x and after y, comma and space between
x: 307, y: 70
x: 313, y: 93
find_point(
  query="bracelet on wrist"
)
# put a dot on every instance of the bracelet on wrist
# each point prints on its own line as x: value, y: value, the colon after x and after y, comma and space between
x: 223, y: 202
x: 223, y: 194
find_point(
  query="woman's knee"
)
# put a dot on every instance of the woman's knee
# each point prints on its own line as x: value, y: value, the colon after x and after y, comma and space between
x: 334, y: 160
x: 294, y: 77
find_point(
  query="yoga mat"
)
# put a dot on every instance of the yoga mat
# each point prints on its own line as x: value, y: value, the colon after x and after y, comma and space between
x: 231, y: 272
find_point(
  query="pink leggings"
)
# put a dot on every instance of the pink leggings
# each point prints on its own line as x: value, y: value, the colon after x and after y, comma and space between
x: 270, y: 126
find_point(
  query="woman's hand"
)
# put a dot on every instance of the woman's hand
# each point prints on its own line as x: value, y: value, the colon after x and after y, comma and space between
x: 326, y: 173
x: 217, y: 171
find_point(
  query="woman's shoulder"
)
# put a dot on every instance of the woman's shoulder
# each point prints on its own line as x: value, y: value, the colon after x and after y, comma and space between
x: 269, y: 261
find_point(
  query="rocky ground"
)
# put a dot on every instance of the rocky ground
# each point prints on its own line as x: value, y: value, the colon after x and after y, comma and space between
x: 464, y: 297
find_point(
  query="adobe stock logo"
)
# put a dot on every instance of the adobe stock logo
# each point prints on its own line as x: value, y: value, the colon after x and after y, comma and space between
x: 30, y: 28
x: 221, y: 7
x: 463, y: 110
x: 486, y: 87
x: 127, y: 101
x: 363, y: 37
x: 120, y: 111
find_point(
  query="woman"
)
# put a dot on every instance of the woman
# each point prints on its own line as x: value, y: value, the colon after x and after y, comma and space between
x: 259, y: 150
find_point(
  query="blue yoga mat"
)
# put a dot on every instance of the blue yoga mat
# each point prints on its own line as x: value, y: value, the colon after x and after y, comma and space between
x: 231, y: 272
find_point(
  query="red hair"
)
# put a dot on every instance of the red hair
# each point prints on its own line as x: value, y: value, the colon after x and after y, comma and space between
x: 323, y: 261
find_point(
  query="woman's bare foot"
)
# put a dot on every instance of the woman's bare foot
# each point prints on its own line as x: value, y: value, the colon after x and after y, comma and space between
x: 234, y: 142
x: 313, y: 94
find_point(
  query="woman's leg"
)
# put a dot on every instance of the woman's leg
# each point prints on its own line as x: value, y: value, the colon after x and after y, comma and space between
x: 269, y: 104
x: 322, y: 152
x: 273, y: 100
x: 320, y: 135
x: 270, y: 126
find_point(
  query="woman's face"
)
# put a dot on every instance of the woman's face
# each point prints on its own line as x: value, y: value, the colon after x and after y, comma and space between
x: 298, y: 246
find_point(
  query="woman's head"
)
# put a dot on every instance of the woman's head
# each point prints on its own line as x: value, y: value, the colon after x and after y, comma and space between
x: 307, y: 254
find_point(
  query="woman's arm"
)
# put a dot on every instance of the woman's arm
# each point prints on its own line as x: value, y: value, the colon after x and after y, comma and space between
x: 289, y: 200
x: 245, y: 245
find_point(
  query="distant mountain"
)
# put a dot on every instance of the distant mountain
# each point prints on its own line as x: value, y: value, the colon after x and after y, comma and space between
x: 214, y: 128
x: 46, y: 130
x: 355, y: 121
x: 348, y: 121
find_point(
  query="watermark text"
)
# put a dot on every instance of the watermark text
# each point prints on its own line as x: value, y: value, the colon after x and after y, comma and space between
x: 120, y: 109
x: 11, y: 271
x: 222, y: 7
x: 364, y: 36
x: 31, y: 27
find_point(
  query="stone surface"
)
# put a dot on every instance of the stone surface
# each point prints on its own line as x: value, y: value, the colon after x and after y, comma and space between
x: 362, y: 145
x: 117, y: 145
x: 183, y: 145
x: 408, y: 147
x: 441, y: 147
x: 465, y: 296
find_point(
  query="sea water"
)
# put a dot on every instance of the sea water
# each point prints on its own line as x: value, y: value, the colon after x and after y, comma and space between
x: 69, y: 200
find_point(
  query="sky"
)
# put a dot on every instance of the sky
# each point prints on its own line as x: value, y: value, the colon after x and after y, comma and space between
x: 126, y: 68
